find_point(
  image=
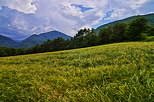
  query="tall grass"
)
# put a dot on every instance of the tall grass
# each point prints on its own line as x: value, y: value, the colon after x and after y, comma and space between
x: 109, y: 73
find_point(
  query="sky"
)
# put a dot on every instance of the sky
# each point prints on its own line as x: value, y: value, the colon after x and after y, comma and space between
x: 29, y: 17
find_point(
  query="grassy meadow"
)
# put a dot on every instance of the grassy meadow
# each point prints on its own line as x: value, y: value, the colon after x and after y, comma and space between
x: 122, y: 72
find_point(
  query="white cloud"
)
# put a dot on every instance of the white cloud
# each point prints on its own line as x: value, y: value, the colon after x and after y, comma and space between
x: 63, y: 16
x: 126, y: 8
x: 67, y: 18
x: 25, y: 6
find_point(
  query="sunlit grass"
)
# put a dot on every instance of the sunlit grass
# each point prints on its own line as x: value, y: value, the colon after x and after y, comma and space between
x: 115, y: 72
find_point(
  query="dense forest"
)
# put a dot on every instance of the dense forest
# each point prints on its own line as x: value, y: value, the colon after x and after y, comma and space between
x: 135, y: 30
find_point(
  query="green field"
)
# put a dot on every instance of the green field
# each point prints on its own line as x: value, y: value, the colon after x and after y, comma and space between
x: 121, y: 72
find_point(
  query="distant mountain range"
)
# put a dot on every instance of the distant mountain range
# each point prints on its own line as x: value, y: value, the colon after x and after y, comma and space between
x: 39, y: 39
x: 8, y: 42
x: 149, y: 17
x: 32, y: 40
x: 12, y: 34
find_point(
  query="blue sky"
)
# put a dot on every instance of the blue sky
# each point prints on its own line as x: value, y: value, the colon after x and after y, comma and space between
x: 27, y: 17
x: 83, y: 9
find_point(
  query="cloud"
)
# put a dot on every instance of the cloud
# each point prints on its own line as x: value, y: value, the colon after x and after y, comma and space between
x: 25, y: 6
x: 68, y: 16
x: 126, y: 8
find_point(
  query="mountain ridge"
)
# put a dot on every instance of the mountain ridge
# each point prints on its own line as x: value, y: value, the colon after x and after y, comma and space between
x: 6, y: 41
x: 149, y: 17
x: 32, y: 40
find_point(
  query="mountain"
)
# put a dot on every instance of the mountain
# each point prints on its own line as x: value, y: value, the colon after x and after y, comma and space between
x: 15, y: 24
x: 32, y: 40
x: 39, y: 39
x: 7, y: 42
x: 149, y: 17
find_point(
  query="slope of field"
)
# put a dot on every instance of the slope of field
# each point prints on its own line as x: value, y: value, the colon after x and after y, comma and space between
x: 109, y: 73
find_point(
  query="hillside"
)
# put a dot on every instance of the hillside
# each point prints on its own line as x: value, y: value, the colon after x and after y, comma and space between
x: 39, y: 39
x: 5, y: 41
x: 107, y: 73
x: 32, y: 40
x: 149, y: 17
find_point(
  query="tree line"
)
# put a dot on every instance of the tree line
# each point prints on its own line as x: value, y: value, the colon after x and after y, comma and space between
x: 136, y: 30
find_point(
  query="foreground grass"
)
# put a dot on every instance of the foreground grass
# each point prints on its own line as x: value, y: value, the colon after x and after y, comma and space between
x: 108, y: 73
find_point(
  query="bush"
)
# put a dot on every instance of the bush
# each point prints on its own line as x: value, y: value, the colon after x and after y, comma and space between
x: 143, y: 36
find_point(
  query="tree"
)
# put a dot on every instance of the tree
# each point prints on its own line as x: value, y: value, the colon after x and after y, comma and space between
x: 85, y: 37
x: 106, y: 35
x: 136, y: 28
x: 21, y: 51
x: 47, y: 46
x: 119, y: 32
x: 3, y: 52
x: 91, y: 39
x: 149, y: 30
x: 58, y: 44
